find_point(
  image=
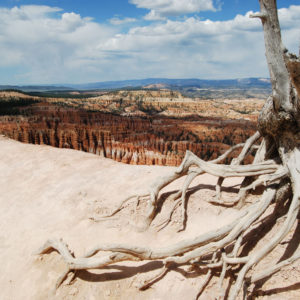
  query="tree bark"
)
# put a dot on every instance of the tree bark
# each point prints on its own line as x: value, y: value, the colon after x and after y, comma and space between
x: 281, y: 111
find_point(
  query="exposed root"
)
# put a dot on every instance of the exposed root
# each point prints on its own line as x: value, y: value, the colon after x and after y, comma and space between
x: 222, y: 171
x: 214, y: 244
x: 62, y: 278
x: 181, y: 253
x: 222, y: 276
x: 217, y: 249
x: 195, y: 251
x: 205, y: 282
x: 191, y: 176
x: 258, y: 255
x: 275, y: 268
x: 192, y: 166
x: 165, y: 223
x: 120, y: 207
x: 266, y: 180
x: 237, y: 161
x: 151, y: 281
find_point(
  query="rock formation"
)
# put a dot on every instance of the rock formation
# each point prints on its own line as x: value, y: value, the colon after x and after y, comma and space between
x: 134, y: 127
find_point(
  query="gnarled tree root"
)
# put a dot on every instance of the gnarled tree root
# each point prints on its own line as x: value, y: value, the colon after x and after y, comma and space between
x: 210, y: 250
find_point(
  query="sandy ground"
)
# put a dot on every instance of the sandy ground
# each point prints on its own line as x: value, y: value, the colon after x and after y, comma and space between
x: 55, y: 193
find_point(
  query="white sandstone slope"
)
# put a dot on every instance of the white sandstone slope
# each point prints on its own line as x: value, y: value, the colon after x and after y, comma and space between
x: 47, y: 192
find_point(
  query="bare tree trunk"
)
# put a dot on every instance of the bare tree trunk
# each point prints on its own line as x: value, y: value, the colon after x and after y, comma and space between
x: 281, y: 113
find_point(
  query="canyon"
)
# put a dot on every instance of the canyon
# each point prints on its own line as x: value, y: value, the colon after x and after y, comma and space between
x: 134, y: 127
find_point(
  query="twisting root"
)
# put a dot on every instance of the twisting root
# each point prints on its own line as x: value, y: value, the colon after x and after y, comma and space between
x: 205, y: 282
x: 180, y: 253
x: 151, y: 281
x: 266, y: 180
x: 181, y: 171
x: 202, y: 167
x: 165, y: 223
x: 275, y: 268
x: 222, y: 276
x: 120, y: 207
x: 237, y: 161
x: 62, y: 278
x: 191, y: 176
x: 287, y: 225
x: 207, y: 251
x: 242, y: 224
x: 211, y: 167
x: 265, y: 150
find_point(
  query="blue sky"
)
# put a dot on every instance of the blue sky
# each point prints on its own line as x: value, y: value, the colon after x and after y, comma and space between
x: 76, y: 41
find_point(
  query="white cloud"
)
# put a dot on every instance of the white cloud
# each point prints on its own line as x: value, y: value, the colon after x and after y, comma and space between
x: 47, y: 45
x: 153, y: 15
x: 118, y: 21
x: 31, y: 11
x: 290, y: 25
x: 160, y: 9
x: 203, y: 49
x: 288, y: 16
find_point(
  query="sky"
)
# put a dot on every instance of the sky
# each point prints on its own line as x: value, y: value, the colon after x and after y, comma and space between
x: 82, y: 41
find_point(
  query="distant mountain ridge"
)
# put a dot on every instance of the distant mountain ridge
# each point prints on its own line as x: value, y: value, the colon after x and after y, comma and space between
x: 239, y: 83
x: 35, y: 88
x: 179, y: 83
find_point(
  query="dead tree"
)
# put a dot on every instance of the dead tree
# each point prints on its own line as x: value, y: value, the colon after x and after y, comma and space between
x: 276, y: 167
